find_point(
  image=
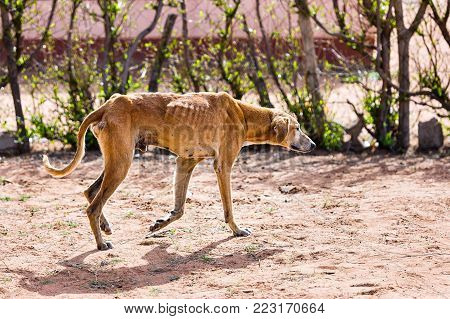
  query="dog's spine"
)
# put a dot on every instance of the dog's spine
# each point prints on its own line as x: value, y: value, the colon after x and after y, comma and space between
x: 90, y: 119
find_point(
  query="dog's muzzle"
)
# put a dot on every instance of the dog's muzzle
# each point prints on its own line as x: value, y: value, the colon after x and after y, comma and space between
x: 302, y: 150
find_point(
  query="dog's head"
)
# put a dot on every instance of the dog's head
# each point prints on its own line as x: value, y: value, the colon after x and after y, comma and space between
x: 286, y: 132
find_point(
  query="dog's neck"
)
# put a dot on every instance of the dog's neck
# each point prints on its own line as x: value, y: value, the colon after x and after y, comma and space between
x: 259, y: 123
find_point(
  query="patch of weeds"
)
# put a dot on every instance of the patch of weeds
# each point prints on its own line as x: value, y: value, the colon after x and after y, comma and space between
x: 206, y: 258
x: 23, y: 234
x: 5, y: 199
x: 154, y: 291
x: 65, y: 233
x: 130, y: 214
x: 148, y: 242
x: 164, y: 233
x: 252, y: 249
x: 330, y: 203
x: 24, y: 198
x: 45, y: 226
x: 71, y: 223
x: 6, y: 279
x: 46, y: 282
x: 350, y: 205
x: 58, y: 225
x: 115, y: 261
x: 62, y: 224
x: 95, y: 284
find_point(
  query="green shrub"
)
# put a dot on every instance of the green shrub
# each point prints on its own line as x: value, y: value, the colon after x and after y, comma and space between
x: 332, y: 136
x: 384, y: 131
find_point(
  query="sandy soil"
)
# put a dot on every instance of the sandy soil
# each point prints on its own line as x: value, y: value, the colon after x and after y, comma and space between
x: 353, y: 226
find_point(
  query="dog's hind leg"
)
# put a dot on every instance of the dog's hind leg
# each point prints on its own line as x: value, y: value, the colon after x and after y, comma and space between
x: 90, y: 195
x: 185, y: 167
x: 118, y: 149
x: 115, y: 173
x: 93, y: 189
x: 223, y: 172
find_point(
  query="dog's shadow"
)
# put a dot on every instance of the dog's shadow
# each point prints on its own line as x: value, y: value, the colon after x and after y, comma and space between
x: 161, y: 267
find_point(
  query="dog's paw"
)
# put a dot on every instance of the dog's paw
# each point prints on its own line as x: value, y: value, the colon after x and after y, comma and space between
x: 156, y: 226
x: 166, y: 220
x: 106, y: 229
x: 243, y: 232
x: 105, y: 246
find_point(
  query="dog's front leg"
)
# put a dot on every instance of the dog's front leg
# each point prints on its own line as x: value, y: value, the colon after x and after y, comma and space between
x: 223, y: 172
x: 183, y: 173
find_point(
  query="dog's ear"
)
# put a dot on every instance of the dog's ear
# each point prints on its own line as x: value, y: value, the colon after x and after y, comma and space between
x: 281, y: 127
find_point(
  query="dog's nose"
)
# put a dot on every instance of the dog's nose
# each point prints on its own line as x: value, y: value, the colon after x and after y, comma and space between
x: 313, y: 145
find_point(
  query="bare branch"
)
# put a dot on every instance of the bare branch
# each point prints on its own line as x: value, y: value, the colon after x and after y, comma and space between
x: 361, y: 118
x: 43, y: 39
x: 269, y: 56
x: 27, y: 63
x: 186, y: 52
x: 418, y: 17
x: 441, y: 21
x: 256, y: 74
x: 343, y: 34
x: 133, y: 47
x: 161, y: 54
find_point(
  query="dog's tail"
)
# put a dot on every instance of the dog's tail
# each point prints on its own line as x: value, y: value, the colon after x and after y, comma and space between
x: 91, y: 118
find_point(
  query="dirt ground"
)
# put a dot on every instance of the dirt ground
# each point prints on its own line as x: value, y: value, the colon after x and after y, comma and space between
x: 324, y: 226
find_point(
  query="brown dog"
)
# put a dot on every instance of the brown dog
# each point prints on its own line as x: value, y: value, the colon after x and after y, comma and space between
x: 193, y: 126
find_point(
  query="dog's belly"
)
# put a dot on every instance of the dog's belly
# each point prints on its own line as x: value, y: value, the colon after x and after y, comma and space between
x: 184, y: 145
x: 146, y: 138
x: 195, y: 151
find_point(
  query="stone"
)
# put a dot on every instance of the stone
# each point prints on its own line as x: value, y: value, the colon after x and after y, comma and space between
x: 291, y: 189
x: 430, y: 135
x: 7, y: 143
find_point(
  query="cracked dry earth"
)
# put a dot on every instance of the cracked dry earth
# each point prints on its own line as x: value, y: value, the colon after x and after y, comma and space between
x: 324, y: 226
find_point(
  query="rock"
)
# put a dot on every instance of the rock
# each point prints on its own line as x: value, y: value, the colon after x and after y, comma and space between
x: 7, y: 143
x: 430, y: 135
x: 291, y: 189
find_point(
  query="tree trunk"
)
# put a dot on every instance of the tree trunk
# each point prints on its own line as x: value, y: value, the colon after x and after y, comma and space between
x: 108, y: 67
x: 382, y: 125
x: 311, y: 69
x: 186, y: 48
x: 403, y: 39
x: 13, y: 75
x: 269, y: 57
x: 225, y: 42
x: 26, y: 63
x: 161, y: 54
x: 255, y: 72
x: 403, y: 78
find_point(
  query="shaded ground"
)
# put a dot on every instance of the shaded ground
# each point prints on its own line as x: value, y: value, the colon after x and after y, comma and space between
x: 353, y: 226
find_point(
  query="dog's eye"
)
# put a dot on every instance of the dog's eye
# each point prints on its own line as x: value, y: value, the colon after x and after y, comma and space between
x: 297, y: 126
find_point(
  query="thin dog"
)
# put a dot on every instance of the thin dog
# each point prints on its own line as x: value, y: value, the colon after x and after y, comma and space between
x: 194, y: 126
